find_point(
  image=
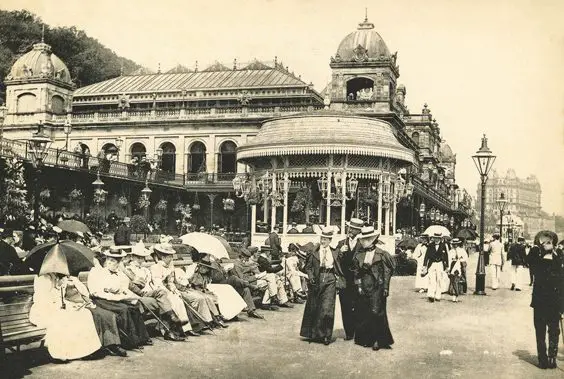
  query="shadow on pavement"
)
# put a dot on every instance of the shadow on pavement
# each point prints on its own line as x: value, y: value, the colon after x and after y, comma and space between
x: 526, y: 356
x: 18, y: 365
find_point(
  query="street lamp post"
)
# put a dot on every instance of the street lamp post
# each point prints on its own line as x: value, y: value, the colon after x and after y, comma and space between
x: 119, y: 143
x: 38, y: 146
x: 484, y: 160
x: 146, y: 192
x: 501, y: 203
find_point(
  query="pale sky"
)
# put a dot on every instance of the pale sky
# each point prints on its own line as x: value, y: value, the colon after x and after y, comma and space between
x: 483, y: 66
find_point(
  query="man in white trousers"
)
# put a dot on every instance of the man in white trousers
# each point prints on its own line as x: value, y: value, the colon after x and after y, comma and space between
x: 518, y: 257
x: 497, y: 260
x: 436, y: 262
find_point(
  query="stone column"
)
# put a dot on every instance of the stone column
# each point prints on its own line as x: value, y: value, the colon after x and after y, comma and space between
x: 394, y: 218
x: 344, y: 203
x: 380, y: 187
x: 285, y: 214
x: 273, y: 208
x: 387, y: 219
x: 328, y: 208
x: 253, y: 220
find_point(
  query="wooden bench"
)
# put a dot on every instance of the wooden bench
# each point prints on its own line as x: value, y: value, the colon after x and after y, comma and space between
x: 16, y: 293
x: 15, y: 303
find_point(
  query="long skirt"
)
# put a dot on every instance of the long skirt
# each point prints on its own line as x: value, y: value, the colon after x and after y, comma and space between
x: 106, y: 326
x: 230, y: 303
x: 421, y: 282
x: 372, y: 320
x: 129, y: 320
x: 319, y: 312
x: 71, y: 334
x: 199, y: 302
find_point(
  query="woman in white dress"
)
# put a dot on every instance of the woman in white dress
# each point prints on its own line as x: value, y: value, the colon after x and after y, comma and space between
x: 421, y: 282
x: 70, y: 330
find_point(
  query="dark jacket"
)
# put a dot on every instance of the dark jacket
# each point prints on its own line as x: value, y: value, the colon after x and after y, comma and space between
x: 434, y: 254
x: 517, y: 255
x: 548, y: 289
x: 346, y: 259
x: 264, y: 264
x: 313, y: 265
x: 381, y: 269
x: 122, y: 235
x: 10, y: 263
x: 275, y: 245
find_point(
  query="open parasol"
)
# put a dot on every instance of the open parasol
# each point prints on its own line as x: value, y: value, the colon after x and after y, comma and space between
x: 79, y: 257
x: 408, y: 243
x: 205, y: 243
x: 73, y: 226
x: 431, y: 230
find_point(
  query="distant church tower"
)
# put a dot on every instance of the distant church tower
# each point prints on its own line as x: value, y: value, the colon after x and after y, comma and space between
x: 364, y: 73
x: 38, y: 88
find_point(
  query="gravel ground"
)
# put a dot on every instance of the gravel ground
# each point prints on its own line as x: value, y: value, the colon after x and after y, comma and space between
x: 483, y: 336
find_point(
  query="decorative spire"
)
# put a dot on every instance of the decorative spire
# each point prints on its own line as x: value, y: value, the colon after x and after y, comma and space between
x: 121, y: 69
x: 275, y: 60
x: 366, y: 24
x: 43, y: 33
x: 235, y: 64
x: 196, y: 68
x: 159, y: 68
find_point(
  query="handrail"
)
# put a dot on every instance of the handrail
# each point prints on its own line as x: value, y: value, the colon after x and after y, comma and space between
x: 80, y: 162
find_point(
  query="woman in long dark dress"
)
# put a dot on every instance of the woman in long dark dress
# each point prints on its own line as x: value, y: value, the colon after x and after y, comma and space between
x: 372, y: 269
x: 322, y: 270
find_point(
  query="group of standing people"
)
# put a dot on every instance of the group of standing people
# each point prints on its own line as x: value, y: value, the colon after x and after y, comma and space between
x: 361, y: 273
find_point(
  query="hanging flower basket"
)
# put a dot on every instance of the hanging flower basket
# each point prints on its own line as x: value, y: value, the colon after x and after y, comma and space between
x: 100, y: 196
x: 178, y: 207
x: 75, y: 195
x: 123, y: 201
x: 196, y: 207
x: 277, y: 199
x: 228, y: 205
x: 45, y: 194
x: 161, y: 205
x: 143, y: 202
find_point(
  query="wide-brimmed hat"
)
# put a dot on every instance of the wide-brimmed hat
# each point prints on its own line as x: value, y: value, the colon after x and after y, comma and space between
x: 246, y: 252
x: 140, y: 250
x: 368, y: 232
x: 114, y: 252
x: 164, y: 248
x: 327, y: 232
x: 520, y: 239
x: 355, y: 223
x: 455, y: 241
x: 424, y: 235
x: 546, y: 235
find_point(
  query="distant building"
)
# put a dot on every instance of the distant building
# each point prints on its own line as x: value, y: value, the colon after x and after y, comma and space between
x: 523, y: 200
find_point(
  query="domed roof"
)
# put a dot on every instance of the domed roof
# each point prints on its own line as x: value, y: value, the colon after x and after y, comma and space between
x: 446, y: 153
x: 363, y: 44
x: 325, y: 132
x: 40, y: 63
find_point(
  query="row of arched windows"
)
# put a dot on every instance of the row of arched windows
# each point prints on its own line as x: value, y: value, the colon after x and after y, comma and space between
x: 227, y: 159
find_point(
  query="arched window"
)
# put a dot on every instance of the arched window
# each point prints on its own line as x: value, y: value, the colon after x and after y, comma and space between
x: 227, y: 162
x: 168, y: 159
x: 109, y: 148
x: 415, y: 137
x: 360, y: 89
x: 138, y: 150
x: 58, y: 104
x: 197, y: 158
x: 27, y: 103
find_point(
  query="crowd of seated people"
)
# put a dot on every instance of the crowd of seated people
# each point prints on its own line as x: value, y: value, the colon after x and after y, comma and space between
x: 106, y: 315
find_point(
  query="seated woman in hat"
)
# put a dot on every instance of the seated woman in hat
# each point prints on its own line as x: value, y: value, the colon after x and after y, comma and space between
x: 373, y: 268
x: 155, y: 299
x: 110, y: 290
x: 164, y: 276
x: 291, y: 264
x: 70, y: 330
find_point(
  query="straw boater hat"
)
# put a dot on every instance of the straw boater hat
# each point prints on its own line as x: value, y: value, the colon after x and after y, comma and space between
x: 164, y: 248
x: 368, y: 233
x: 455, y: 241
x: 115, y: 252
x: 140, y: 250
x: 355, y: 223
x: 327, y: 232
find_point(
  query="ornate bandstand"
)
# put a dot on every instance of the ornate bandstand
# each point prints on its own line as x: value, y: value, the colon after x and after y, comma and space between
x: 319, y: 169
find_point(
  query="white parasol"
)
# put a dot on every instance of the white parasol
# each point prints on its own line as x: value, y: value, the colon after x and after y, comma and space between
x: 205, y: 243
x: 431, y: 230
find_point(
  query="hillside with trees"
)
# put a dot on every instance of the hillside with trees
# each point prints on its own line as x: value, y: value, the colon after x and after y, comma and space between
x: 87, y: 59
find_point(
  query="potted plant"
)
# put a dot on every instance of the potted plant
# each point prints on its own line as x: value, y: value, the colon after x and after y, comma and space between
x: 228, y: 204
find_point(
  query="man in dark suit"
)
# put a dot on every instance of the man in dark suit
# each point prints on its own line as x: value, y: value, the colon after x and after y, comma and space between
x: 547, y: 263
x: 275, y: 244
x: 122, y: 235
x: 347, y: 249
x: 10, y: 262
x: 436, y: 262
x: 518, y: 256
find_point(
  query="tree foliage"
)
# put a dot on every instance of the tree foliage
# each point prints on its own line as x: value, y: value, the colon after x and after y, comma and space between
x: 14, y: 207
x: 87, y: 59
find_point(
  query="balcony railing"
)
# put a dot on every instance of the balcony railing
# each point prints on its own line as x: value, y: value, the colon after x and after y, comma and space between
x: 79, y: 162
